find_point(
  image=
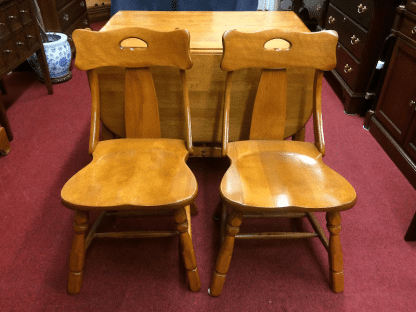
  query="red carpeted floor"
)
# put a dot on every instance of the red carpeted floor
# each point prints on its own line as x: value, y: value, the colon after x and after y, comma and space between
x: 51, y: 144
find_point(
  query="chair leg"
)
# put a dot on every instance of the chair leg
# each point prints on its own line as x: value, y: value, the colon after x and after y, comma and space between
x: 182, y: 219
x: 224, y: 216
x: 224, y: 257
x: 336, y: 273
x: 77, y: 256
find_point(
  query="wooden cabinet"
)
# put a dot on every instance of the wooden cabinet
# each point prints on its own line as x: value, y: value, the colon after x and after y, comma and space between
x: 64, y: 16
x: 362, y: 26
x: 19, y: 39
x: 393, y: 123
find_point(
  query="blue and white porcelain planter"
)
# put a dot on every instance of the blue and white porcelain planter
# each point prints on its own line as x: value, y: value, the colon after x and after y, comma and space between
x: 58, y: 55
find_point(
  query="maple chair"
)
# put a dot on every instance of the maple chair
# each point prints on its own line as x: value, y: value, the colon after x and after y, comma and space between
x: 140, y: 173
x: 270, y: 176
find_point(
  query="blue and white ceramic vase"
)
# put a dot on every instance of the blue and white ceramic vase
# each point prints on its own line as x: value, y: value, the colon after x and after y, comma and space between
x: 58, y: 55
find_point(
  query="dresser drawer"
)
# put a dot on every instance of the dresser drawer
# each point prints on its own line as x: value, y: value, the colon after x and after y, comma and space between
x: 71, y: 12
x: 411, y: 6
x: 30, y: 34
x: 12, y: 17
x: 352, y: 36
x: 9, y: 52
x: 24, y: 12
x: 408, y: 27
x: 347, y: 67
x: 61, y: 3
x: 20, y: 43
x: 4, y: 29
x: 359, y: 10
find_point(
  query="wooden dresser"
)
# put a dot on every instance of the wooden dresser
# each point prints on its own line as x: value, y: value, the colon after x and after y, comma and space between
x: 362, y: 26
x: 393, y: 123
x: 19, y: 39
x: 64, y: 16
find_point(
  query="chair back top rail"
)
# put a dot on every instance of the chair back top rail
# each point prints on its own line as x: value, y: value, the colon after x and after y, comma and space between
x: 110, y: 48
x: 303, y: 49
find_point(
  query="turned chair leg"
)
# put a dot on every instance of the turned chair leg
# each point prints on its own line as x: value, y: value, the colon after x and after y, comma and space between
x: 224, y: 216
x: 224, y: 257
x: 336, y: 273
x: 77, y: 256
x: 182, y: 219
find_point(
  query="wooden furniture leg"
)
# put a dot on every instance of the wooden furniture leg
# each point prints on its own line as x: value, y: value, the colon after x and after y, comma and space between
x: 336, y: 273
x: 45, y: 69
x: 5, y: 122
x: 411, y: 231
x: 224, y: 257
x: 4, y: 142
x: 182, y: 219
x: 77, y: 256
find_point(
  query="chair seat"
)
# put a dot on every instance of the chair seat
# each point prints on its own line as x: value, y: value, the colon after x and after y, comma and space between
x: 133, y: 172
x: 287, y: 176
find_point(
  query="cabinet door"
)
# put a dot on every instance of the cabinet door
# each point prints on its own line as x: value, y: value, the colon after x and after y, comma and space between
x: 394, y: 109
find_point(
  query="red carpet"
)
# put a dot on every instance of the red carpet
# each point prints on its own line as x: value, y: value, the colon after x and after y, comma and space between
x: 51, y: 144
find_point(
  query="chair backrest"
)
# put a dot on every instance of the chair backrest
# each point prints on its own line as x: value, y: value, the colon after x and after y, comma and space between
x: 135, y: 49
x: 275, y: 51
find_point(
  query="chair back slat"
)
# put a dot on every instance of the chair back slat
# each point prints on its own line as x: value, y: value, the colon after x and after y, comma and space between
x: 242, y: 50
x: 269, y: 112
x: 140, y: 104
x: 114, y: 48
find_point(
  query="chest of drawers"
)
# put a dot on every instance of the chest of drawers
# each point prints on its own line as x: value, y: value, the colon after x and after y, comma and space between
x: 362, y: 26
x: 19, y: 39
x: 64, y: 16
x: 393, y: 123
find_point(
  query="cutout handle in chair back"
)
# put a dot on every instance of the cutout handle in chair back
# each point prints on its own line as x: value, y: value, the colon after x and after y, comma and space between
x: 132, y: 48
x: 243, y: 50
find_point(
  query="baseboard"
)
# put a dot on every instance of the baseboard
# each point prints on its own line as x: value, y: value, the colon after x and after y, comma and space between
x: 99, y: 13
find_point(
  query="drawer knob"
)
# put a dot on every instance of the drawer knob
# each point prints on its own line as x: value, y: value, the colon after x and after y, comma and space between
x: 354, y: 40
x: 331, y: 20
x: 19, y: 43
x: 86, y: 22
x: 414, y: 30
x: 347, y: 69
x: 412, y: 103
x: 23, y: 11
x: 82, y: 4
x: 66, y: 17
x: 12, y: 17
x: 362, y: 8
x: 8, y: 51
x: 29, y: 36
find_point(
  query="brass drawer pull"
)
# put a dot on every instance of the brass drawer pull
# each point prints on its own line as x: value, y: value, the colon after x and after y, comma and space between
x: 24, y: 11
x: 414, y: 30
x: 331, y: 20
x: 82, y: 4
x: 20, y: 43
x: 347, y: 69
x: 66, y: 17
x: 8, y: 51
x: 412, y: 103
x: 30, y: 36
x: 12, y: 17
x: 354, y: 40
x: 86, y: 22
x: 362, y: 8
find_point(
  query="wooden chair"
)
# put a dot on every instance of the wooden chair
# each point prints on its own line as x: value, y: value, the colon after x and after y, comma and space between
x: 270, y: 176
x: 142, y: 174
